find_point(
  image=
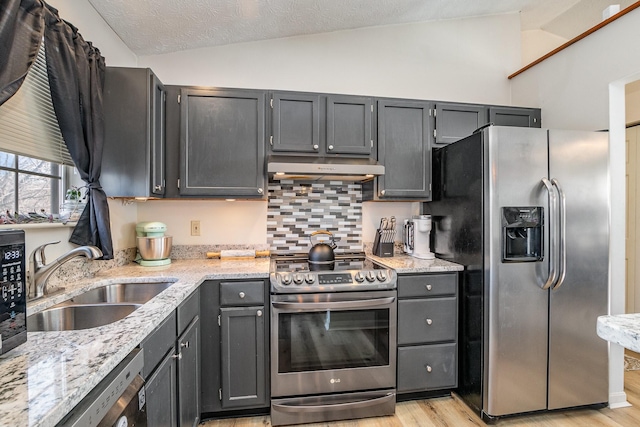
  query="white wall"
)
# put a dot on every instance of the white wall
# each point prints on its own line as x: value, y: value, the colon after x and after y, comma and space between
x: 582, y: 87
x: 458, y: 60
x: 537, y: 43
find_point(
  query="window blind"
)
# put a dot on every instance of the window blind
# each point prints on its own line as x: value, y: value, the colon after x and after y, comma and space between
x: 28, y: 124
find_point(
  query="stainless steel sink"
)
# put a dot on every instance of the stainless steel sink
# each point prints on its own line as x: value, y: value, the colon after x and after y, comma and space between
x: 96, y: 307
x: 75, y: 317
x: 138, y: 293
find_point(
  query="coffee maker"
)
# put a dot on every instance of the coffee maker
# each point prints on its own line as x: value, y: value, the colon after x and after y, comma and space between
x: 416, y: 236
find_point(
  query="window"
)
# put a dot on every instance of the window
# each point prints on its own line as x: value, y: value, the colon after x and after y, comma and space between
x: 29, y: 185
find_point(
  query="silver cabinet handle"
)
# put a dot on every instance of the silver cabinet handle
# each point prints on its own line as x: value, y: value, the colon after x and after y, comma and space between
x: 429, y: 369
x: 553, y: 244
x: 259, y: 313
x: 260, y: 191
x: 241, y: 294
x: 315, y: 146
x: 184, y: 344
x: 331, y: 147
x: 382, y: 192
x: 428, y: 287
x: 429, y: 321
x: 157, y: 187
x: 177, y: 356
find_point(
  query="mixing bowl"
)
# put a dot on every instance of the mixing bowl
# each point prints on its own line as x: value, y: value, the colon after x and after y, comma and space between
x: 154, y: 248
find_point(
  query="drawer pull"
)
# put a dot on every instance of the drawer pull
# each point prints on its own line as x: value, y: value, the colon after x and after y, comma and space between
x: 177, y: 356
x: 429, y: 321
x: 259, y: 313
x: 429, y: 368
x: 184, y: 344
x: 241, y: 295
x: 428, y: 287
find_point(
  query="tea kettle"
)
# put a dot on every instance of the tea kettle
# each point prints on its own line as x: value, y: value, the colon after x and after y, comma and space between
x: 322, y: 253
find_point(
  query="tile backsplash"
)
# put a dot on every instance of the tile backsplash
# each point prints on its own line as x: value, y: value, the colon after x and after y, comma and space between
x: 296, y: 209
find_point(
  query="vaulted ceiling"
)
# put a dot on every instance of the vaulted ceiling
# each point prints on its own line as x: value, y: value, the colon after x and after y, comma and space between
x: 151, y: 27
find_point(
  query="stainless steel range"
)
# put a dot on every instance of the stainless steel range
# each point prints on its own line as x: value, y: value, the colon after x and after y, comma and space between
x: 333, y: 339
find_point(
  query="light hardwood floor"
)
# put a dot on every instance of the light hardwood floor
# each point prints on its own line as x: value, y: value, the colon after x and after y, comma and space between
x: 451, y: 412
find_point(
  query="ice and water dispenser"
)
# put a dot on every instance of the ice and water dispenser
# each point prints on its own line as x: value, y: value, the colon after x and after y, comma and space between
x: 522, y: 234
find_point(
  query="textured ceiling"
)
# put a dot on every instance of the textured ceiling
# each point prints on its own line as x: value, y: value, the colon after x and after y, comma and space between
x: 151, y: 27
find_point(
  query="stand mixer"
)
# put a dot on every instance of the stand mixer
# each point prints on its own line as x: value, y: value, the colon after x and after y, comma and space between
x: 154, y: 248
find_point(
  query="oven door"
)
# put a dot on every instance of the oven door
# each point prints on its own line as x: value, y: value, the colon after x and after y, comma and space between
x: 335, y: 342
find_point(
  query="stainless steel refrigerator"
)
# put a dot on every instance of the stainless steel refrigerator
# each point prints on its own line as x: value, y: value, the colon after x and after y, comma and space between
x: 526, y: 211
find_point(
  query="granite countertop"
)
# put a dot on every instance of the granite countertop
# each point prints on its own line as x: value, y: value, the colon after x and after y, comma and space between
x: 622, y: 329
x: 43, y: 379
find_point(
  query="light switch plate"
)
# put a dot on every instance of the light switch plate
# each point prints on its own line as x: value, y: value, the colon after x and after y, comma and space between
x: 195, y: 228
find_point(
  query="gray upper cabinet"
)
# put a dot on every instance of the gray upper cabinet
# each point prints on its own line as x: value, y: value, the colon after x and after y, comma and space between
x: 349, y: 125
x: 295, y: 122
x: 133, y: 163
x: 222, y: 145
x: 456, y: 121
x: 404, y: 149
x: 326, y: 125
x: 515, y: 116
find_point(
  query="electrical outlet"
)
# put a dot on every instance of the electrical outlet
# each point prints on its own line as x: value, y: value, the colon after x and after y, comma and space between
x: 195, y: 228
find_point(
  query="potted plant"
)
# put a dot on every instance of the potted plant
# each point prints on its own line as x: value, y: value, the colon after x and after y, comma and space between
x: 74, y: 204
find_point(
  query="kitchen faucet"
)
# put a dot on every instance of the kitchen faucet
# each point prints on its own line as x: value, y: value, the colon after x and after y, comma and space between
x: 40, y: 271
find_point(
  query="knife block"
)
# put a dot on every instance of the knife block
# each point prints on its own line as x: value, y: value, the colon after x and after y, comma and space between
x: 381, y: 249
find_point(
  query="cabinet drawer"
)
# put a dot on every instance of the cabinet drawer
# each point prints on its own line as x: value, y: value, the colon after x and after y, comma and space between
x: 427, y: 285
x: 427, y: 367
x: 427, y: 320
x: 242, y: 293
x: 158, y: 343
x: 189, y: 309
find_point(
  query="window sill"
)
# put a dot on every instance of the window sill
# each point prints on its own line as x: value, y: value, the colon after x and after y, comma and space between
x: 27, y: 226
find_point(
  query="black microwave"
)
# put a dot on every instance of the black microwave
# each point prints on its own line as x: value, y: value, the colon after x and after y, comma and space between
x: 13, y: 290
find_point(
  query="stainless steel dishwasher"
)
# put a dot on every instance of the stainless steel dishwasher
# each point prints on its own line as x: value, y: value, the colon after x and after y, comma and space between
x: 118, y: 401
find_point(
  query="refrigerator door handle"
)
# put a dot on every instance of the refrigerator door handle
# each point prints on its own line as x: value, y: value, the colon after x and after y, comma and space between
x: 562, y: 218
x: 553, y: 243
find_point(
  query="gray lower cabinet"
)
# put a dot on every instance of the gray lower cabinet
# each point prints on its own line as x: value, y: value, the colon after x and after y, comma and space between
x: 222, y: 143
x: 427, y: 332
x: 172, y: 368
x: 321, y: 124
x: 133, y: 160
x: 404, y: 149
x: 235, y: 345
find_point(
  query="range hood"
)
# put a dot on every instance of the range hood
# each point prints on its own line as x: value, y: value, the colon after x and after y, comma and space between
x: 323, y: 168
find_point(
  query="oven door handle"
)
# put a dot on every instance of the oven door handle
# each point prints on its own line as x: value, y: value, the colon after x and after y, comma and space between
x: 334, y: 406
x: 334, y: 304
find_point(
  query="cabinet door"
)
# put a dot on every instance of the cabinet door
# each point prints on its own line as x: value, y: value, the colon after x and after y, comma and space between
x: 189, y: 375
x: 222, y: 143
x: 133, y: 160
x: 427, y: 367
x: 403, y: 148
x: 161, y: 394
x: 243, y: 357
x: 456, y: 121
x: 295, y: 122
x: 513, y: 116
x: 158, y: 138
x: 349, y: 121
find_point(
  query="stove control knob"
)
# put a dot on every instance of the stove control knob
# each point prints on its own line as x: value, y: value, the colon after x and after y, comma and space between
x: 359, y: 277
x: 310, y: 278
x: 382, y: 276
x: 298, y: 279
x: 285, y: 278
x: 371, y: 277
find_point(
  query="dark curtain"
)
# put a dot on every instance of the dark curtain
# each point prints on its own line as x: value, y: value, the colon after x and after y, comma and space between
x: 21, y: 27
x: 76, y: 79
